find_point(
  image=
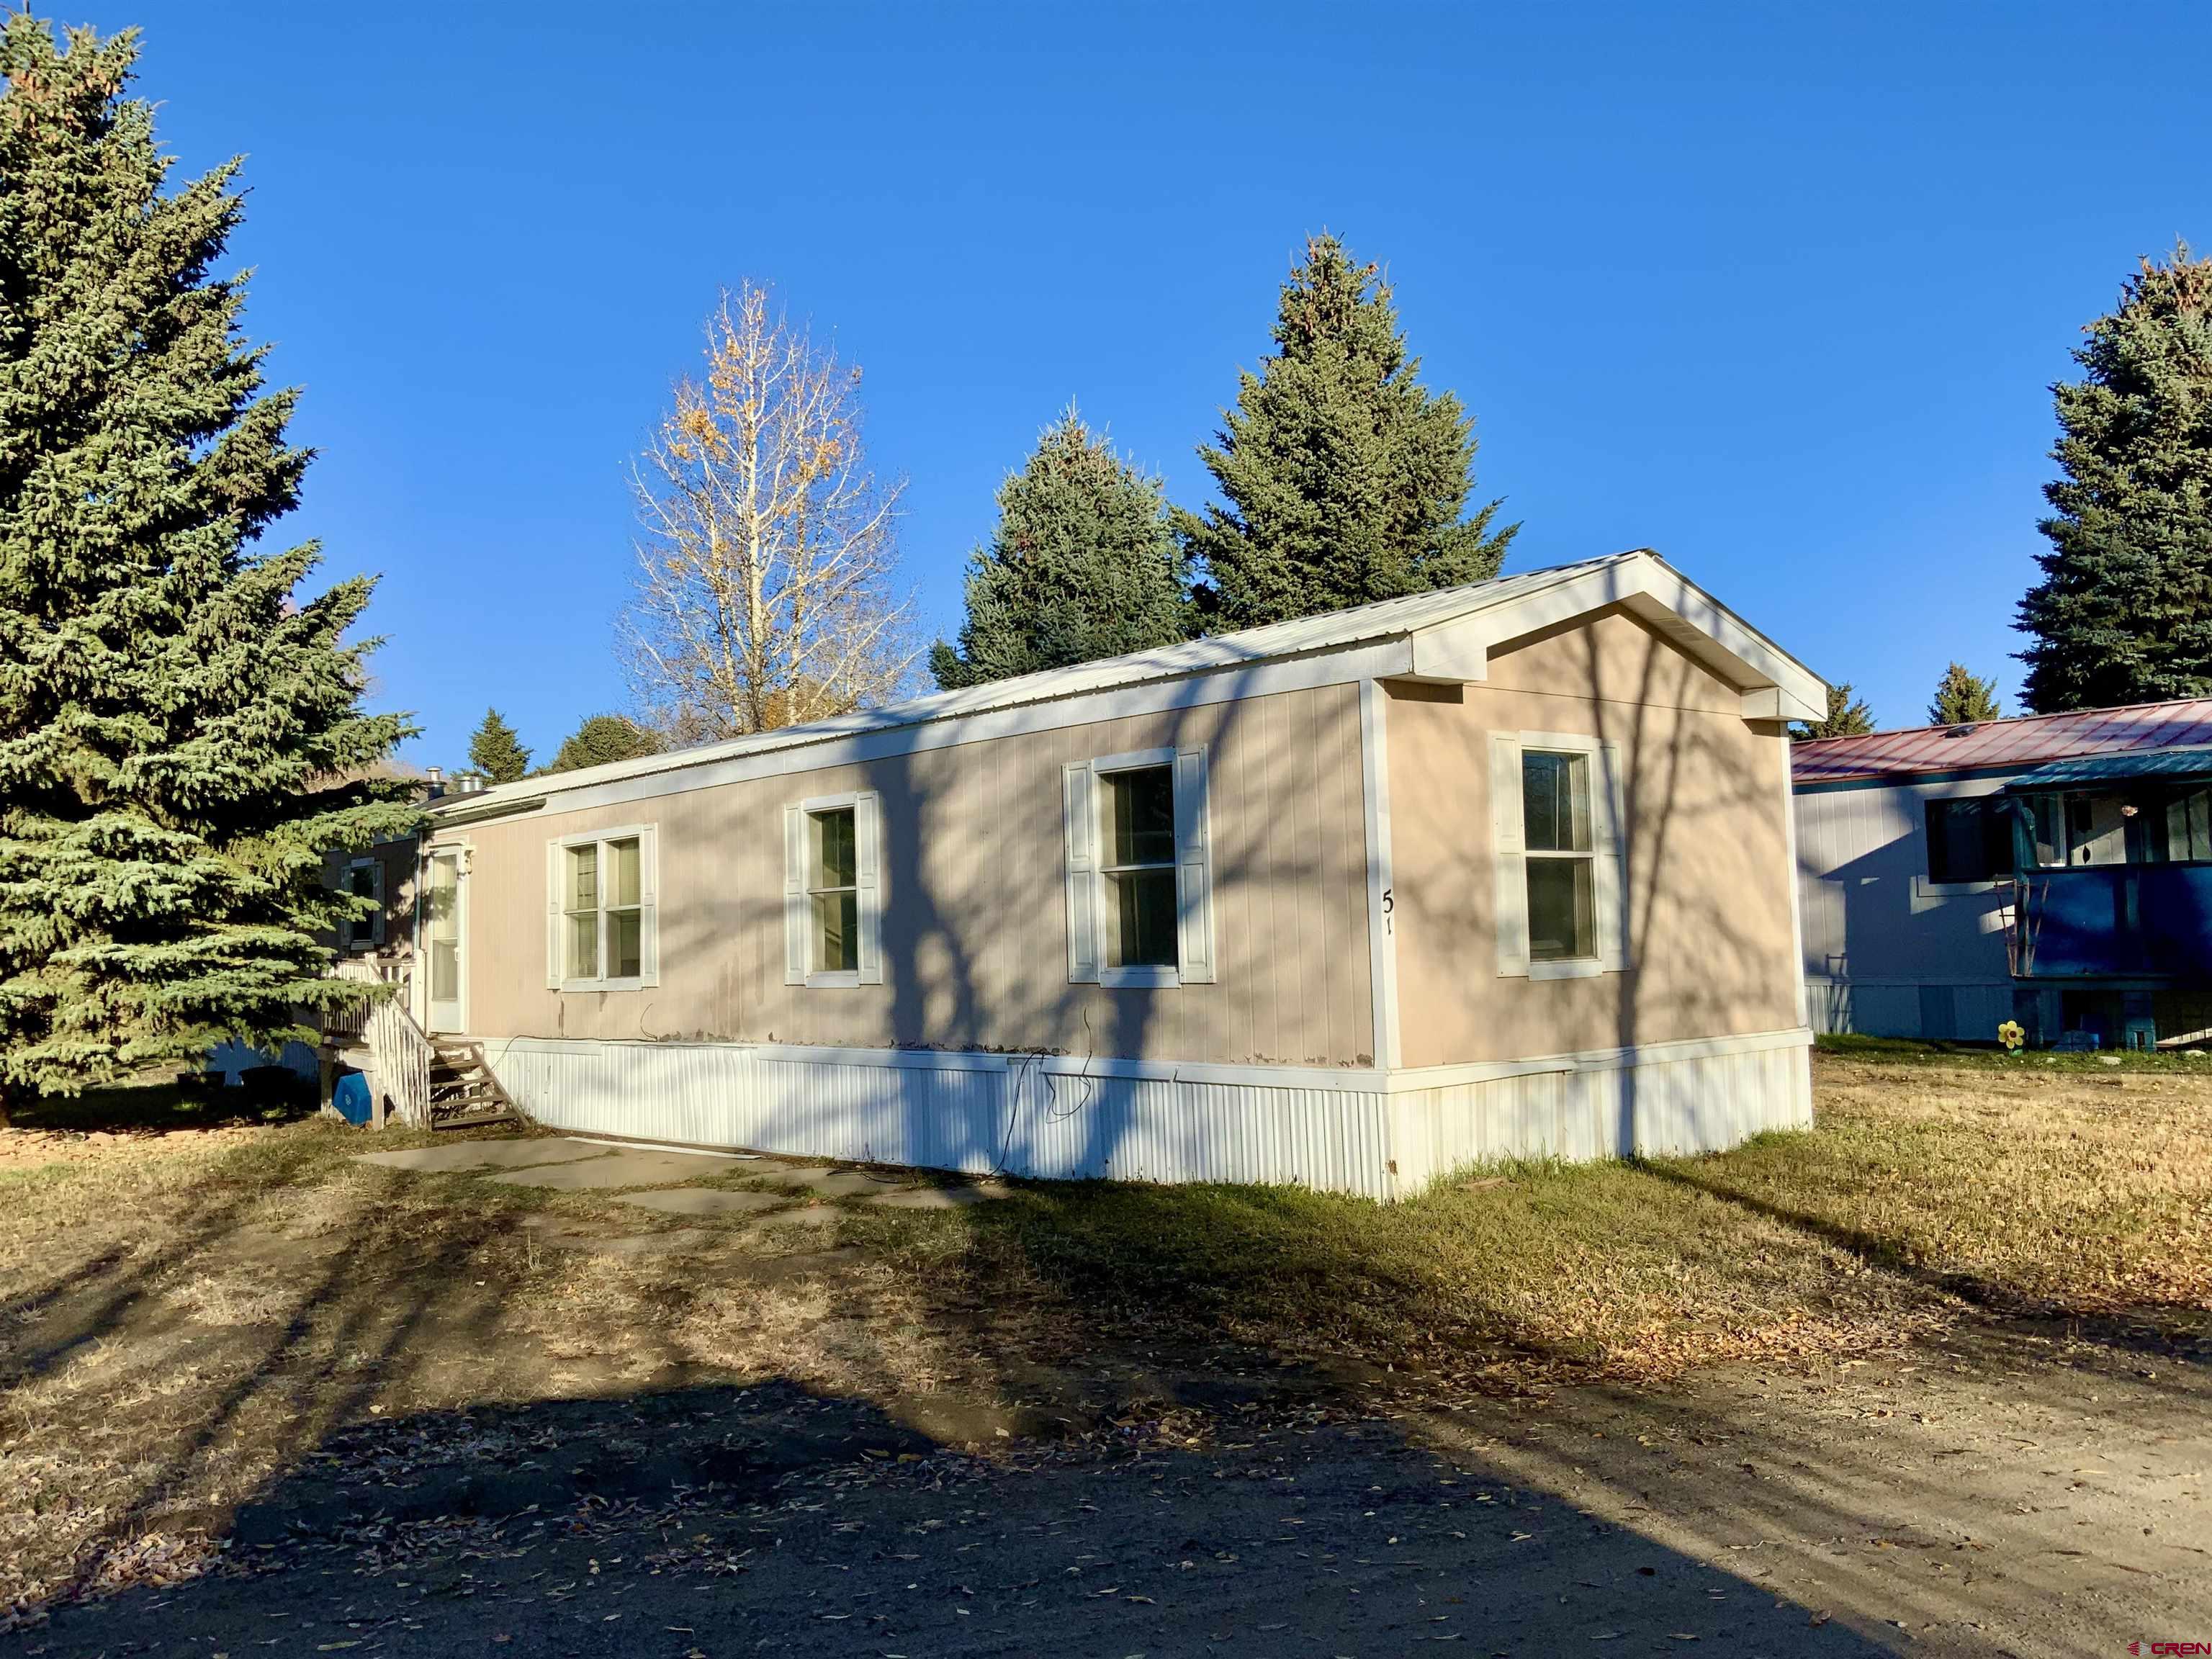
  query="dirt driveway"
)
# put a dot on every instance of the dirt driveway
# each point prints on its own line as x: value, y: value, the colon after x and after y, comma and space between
x: 2000, y: 1490
x: 1935, y: 1377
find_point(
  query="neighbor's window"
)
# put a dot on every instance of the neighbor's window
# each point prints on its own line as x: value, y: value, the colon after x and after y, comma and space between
x: 602, y: 911
x: 2082, y: 831
x: 1138, y: 865
x: 833, y: 886
x: 2046, y: 826
x: 2189, y: 827
x: 1562, y: 858
x: 1969, y: 840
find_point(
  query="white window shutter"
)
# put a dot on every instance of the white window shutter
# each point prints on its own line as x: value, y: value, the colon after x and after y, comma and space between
x: 1193, y: 869
x: 795, y: 895
x: 1608, y: 836
x: 376, y: 893
x: 1082, y: 825
x: 867, y: 863
x: 1509, y: 847
x: 648, y: 906
x: 552, y: 913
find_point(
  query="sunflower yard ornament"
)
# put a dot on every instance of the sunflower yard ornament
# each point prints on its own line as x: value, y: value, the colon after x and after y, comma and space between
x: 2011, y: 1036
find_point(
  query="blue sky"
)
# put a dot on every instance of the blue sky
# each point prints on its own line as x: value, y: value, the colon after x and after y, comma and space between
x: 1777, y: 291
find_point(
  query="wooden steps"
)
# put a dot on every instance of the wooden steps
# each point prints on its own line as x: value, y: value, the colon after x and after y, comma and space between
x: 464, y: 1093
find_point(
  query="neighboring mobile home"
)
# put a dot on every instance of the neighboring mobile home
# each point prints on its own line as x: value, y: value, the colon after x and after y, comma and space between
x: 2055, y: 870
x: 1349, y: 901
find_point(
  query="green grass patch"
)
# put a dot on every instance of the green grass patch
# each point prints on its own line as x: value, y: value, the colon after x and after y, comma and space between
x: 1906, y: 1051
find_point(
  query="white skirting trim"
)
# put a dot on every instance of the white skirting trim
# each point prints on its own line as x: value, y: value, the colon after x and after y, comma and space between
x: 1383, y: 1134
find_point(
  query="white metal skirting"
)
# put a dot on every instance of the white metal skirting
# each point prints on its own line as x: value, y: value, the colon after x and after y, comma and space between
x: 1383, y: 1136
x: 1655, y: 1105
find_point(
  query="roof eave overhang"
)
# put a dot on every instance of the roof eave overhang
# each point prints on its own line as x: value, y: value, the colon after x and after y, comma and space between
x: 1774, y: 685
x: 461, y: 811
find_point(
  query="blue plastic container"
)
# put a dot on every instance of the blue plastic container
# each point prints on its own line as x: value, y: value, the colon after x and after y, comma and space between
x: 350, y: 1094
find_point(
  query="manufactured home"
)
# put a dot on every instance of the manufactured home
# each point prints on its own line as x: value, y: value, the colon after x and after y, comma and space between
x: 2054, y: 870
x: 1351, y: 901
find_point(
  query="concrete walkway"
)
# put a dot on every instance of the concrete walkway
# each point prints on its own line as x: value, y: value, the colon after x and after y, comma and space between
x: 660, y: 1180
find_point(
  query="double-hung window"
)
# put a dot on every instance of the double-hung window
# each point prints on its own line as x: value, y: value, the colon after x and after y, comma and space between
x: 1139, y: 903
x: 602, y: 912
x: 833, y: 884
x: 1555, y: 826
x: 1138, y: 847
x: 832, y: 892
x: 1561, y: 877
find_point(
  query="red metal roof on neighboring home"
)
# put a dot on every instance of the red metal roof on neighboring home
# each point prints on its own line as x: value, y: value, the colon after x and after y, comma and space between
x: 2029, y: 741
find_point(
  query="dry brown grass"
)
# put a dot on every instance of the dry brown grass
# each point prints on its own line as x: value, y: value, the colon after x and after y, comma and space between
x: 2068, y: 1191
x: 184, y: 1320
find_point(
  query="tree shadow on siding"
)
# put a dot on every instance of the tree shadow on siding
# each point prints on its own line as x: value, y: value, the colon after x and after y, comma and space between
x: 980, y: 962
x: 1697, y: 965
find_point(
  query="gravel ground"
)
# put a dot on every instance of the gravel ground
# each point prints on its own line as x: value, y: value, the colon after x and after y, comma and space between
x: 2005, y: 1491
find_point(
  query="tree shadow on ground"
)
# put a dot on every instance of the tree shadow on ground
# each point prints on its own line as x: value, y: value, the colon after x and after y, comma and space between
x: 833, y: 1512
x: 172, y: 1107
x: 712, y: 1519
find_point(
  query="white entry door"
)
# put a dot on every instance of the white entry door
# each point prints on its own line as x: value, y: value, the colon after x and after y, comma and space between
x: 445, y: 934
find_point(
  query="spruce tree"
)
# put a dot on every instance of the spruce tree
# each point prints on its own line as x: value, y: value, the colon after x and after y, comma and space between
x: 604, y: 739
x: 495, y: 754
x: 1963, y: 699
x: 181, y: 737
x: 1847, y: 717
x: 1084, y: 564
x: 1345, y: 480
x: 2123, y: 613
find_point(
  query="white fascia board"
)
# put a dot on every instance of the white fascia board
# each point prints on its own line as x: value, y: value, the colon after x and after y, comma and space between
x: 1389, y: 660
x: 1775, y: 685
x: 1803, y: 695
x: 1449, y: 655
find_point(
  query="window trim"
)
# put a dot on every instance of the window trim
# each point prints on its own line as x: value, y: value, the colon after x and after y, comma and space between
x: 558, y: 976
x: 867, y: 807
x: 1509, y: 857
x: 1085, y: 813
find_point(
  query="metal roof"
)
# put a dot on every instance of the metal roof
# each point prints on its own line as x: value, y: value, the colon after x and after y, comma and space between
x: 2003, y: 745
x: 2113, y: 767
x: 1336, y: 630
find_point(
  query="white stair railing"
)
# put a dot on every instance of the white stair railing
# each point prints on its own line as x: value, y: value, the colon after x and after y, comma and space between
x: 399, y: 1052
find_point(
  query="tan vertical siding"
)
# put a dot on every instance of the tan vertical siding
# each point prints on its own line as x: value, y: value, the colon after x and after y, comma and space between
x: 1710, y: 886
x: 974, y: 920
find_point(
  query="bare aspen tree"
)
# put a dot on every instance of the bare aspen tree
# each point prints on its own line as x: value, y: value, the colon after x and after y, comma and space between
x: 766, y: 591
